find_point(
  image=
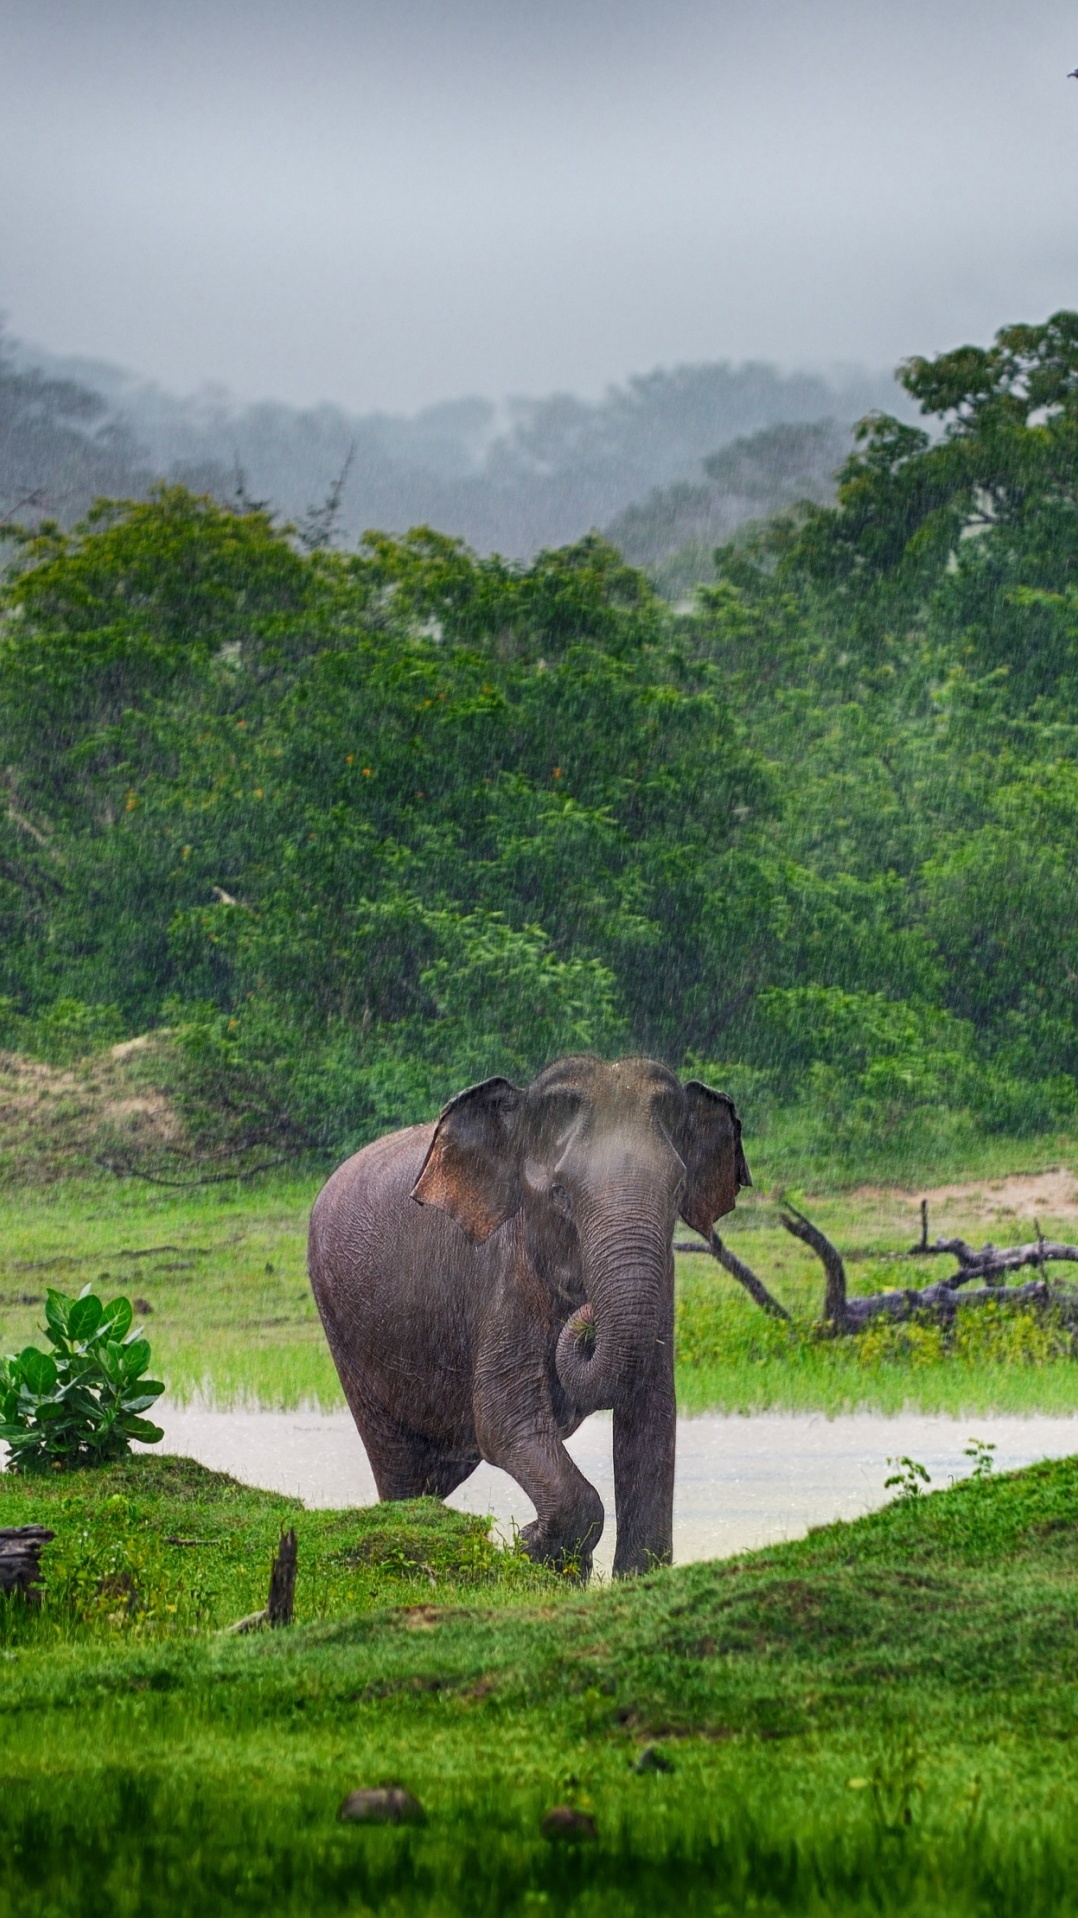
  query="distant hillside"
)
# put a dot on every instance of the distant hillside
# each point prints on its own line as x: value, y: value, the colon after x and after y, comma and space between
x: 674, y: 531
x: 60, y: 447
x: 513, y: 479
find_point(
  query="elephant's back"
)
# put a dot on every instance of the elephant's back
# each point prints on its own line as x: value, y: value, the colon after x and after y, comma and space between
x: 365, y: 1207
x: 391, y: 1281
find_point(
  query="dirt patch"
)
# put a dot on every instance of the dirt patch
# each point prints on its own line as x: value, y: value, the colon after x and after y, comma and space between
x: 1020, y: 1195
x: 58, y: 1120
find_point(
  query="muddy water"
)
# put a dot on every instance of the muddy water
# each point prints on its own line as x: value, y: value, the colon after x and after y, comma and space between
x: 741, y: 1482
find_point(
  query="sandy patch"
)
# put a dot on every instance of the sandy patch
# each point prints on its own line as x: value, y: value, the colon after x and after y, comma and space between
x: 127, y: 1046
x: 55, y: 1120
x: 1020, y: 1195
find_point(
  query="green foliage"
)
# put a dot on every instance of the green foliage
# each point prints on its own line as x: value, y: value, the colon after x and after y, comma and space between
x: 358, y: 828
x: 980, y: 1451
x: 81, y: 1403
x: 910, y: 1478
x: 63, y: 1032
x: 869, y: 1060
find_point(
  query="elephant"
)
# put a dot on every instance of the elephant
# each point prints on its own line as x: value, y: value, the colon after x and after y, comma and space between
x: 487, y: 1281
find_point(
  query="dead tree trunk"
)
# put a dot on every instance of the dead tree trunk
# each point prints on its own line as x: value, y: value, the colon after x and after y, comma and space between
x: 844, y: 1314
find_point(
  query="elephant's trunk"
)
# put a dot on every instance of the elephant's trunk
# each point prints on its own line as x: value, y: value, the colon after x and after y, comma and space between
x: 606, y: 1347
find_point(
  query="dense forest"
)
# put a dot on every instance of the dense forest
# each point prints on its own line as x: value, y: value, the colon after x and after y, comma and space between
x: 358, y: 827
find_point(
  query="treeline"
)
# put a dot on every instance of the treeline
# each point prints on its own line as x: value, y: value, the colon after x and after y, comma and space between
x: 673, y: 533
x: 359, y: 828
x: 515, y: 478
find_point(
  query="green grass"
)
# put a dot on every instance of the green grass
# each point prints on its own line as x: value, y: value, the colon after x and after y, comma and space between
x: 232, y: 1320
x: 880, y: 1718
x: 222, y: 1269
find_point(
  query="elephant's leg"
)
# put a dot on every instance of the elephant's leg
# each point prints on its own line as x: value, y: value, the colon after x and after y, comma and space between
x: 406, y: 1465
x: 644, y: 1442
x: 568, y: 1520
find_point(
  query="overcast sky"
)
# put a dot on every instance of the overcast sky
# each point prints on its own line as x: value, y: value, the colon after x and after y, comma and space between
x: 387, y: 202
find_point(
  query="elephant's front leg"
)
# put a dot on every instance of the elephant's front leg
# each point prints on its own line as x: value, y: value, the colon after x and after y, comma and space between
x: 645, y: 1433
x: 516, y: 1430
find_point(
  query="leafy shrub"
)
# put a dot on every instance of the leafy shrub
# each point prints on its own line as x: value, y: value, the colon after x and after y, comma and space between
x: 493, y: 998
x: 62, y: 1033
x: 80, y: 1404
x: 888, y: 1052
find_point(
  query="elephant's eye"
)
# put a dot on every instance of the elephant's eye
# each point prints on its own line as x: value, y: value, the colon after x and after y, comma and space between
x: 560, y: 1198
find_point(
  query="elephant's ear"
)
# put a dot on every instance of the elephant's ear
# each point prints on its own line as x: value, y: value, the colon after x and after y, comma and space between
x: 715, y: 1167
x: 472, y: 1169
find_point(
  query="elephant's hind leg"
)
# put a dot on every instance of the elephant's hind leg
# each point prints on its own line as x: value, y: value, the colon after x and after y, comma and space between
x: 406, y: 1465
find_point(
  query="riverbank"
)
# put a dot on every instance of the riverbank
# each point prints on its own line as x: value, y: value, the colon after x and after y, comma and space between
x: 740, y: 1483
x: 878, y: 1718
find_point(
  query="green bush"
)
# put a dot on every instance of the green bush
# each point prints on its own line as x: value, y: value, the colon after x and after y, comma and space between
x: 80, y: 1404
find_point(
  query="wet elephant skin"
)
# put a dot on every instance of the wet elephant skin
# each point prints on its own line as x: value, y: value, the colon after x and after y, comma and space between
x: 488, y: 1281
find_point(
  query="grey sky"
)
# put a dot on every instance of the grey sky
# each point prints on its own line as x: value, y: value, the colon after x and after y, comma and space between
x: 393, y: 201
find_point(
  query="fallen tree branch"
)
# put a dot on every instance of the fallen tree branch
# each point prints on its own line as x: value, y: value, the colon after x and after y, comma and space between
x: 745, y: 1276
x: 940, y: 1299
x: 844, y: 1314
x: 992, y: 1261
x: 128, y: 1171
x: 834, y: 1305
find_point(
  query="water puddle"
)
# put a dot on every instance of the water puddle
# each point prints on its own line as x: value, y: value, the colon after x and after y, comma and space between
x: 741, y: 1482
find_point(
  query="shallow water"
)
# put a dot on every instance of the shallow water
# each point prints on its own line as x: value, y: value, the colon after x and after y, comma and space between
x: 741, y: 1482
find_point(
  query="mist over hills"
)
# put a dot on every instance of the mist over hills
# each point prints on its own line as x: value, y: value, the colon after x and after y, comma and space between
x: 673, y: 532
x: 511, y: 477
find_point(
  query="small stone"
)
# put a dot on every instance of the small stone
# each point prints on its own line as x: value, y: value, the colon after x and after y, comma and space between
x: 652, y: 1759
x: 382, y: 1805
x: 564, y: 1821
x: 143, y: 1308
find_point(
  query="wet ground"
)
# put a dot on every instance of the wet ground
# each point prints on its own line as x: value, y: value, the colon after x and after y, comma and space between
x: 741, y: 1482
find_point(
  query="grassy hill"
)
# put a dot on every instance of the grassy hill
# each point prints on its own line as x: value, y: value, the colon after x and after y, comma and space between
x: 878, y: 1718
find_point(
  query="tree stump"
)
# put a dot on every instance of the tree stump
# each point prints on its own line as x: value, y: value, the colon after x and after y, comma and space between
x: 282, y: 1590
x: 20, y: 1559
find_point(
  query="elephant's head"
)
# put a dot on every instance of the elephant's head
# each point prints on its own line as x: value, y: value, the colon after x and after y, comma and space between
x: 600, y: 1159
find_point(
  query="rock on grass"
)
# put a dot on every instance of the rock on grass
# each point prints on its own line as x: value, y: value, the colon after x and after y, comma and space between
x: 382, y: 1805
x: 566, y: 1822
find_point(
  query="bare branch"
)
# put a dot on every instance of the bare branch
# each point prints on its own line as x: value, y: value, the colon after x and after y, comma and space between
x: 992, y: 1260
x: 922, y: 1244
x: 834, y: 1307
x: 745, y: 1276
x: 738, y: 1270
x: 125, y: 1170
